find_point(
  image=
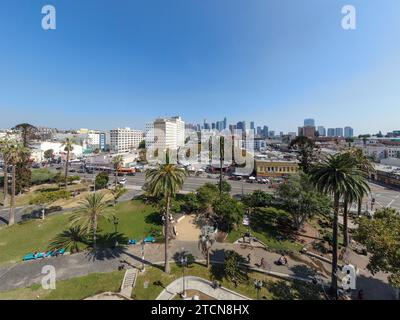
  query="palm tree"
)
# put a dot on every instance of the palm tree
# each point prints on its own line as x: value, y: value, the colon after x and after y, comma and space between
x: 68, y: 239
x: 337, y: 176
x: 206, y: 240
x: 363, y: 164
x: 68, y: 145
x: 117, y: 162
x: 16, y: 153
x: 5, y: 145
x: 28, y: 133
x: 92, y: 208
x: 166, y: 181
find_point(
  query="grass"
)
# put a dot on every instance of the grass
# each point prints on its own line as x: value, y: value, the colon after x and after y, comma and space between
x: 273, y: 289
x: 71, y: 289
x: 135, y: 221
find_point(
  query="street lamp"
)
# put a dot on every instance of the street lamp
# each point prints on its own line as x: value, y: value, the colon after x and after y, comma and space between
x: 183, y: 261
x: 143, y: 246
x: 258, y: 285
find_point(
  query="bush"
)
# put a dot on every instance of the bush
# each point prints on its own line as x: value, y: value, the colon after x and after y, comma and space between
x: 43, y: 175
x: 50, y: 196
x: 101, y: 180
x: 71, y: 179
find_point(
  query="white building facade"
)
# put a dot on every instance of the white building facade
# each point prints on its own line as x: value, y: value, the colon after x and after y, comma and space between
x: 125, y: 139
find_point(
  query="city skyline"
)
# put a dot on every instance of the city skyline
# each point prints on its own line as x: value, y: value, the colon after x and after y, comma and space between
x: 244, y: 62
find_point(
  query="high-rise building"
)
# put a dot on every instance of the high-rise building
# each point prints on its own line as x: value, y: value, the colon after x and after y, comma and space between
x: 339, y: 132
x: 125, y: 139
x: 309, y: 122
x: 225, y: 124
x: 307, y: 131
x: 103, y: 141
x: 259, y: 131
x: 252, y: 125
x: 169, y: 133
x: 348, y: 132
x: 331, y: 132
x: 321, y: 131
x: 241, y: 125
x: 265, y: 131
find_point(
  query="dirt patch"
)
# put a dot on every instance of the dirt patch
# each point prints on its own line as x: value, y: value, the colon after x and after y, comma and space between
x: 187, y: 229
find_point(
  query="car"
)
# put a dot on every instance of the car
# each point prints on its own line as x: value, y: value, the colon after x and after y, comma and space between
x: 246, y: 221
x: 149, y: 239
x: 122, y: 181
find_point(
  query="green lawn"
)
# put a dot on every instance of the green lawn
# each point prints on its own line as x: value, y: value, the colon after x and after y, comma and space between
x: 267, y: 238
x: 71, y: 289
x: 135, y: 221
x: 273, y: 289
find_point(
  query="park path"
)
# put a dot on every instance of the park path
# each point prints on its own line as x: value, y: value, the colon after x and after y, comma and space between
x: 199, y: 284
x: 25, y: 274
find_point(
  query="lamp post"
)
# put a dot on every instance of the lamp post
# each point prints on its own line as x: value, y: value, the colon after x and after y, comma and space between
x: 115, y: 222
x: 258, y: 285
x: 143, y: 246
x: 183, y: 261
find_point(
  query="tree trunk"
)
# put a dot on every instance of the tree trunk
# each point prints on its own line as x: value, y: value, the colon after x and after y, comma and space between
x: 94, y: 232
x: 5, y: 169
x: 208, y: 258
x: 359, y: 206
x: 116, y: 178
x: 11, y: 217
x: 66, y: 169
x: 334, y: 285
x: 166, y: 267
x: 345, y: 224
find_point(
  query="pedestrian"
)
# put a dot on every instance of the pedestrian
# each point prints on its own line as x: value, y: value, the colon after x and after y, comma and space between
x: 262, y: 263
x: 249, y: 258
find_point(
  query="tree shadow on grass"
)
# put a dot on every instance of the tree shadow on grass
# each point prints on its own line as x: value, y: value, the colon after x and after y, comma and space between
x: 294, y: 290
x: 272, y: 225
x: 154, y: 218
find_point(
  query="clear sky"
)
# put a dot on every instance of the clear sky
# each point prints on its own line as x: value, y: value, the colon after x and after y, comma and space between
x: 116, y: 63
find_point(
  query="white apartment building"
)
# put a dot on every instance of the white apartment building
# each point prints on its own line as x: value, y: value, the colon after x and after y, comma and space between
x: 125, y: 139
x: 38, y: 150
x: 169, y: 133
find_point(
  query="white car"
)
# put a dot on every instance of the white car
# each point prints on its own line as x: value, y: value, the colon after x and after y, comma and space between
x: 122, y: 181
x: 246, y: 221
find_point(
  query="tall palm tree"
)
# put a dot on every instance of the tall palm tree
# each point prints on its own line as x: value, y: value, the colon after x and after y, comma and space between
x: 16, y: 154
x: 336, y: 176
x: 363, y: 164
x: 166, y: 181
x: 117, y: 162
x: 206, y: 240
x: 5, y: 145
x: 92, y: 208
x: 28, y: 133
x: 68, y: 145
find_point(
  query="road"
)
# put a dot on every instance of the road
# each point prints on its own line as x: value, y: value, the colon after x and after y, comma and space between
x: 192, y: 183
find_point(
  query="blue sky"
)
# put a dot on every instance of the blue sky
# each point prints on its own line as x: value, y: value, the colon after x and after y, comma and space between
x: 117, y: 63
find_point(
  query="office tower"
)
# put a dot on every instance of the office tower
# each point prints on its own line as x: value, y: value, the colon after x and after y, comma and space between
x: 271, y: 133
x: 331, y: 132
x: 252, y: 125
x: 125, y: 139
x: 225, y: 124
x: 241, y: 125
x: 265, y: 131
x: 259, y: 131
x: 339, y: 132
x: 213, y: 126
x: 309, y: 122
x: 321, y: 131
x: 169, y: 133
x: 348, y: 132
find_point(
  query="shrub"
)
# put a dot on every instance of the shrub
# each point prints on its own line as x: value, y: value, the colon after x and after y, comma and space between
x: 101, y: 180
x: 50, y: 196
x: 42, y: 175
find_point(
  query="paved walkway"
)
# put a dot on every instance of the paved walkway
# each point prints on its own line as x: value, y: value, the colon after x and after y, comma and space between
x: 25, y: 274
x: 199, y: 284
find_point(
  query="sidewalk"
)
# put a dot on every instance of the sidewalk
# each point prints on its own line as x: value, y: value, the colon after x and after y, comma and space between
x: 201, y: 285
